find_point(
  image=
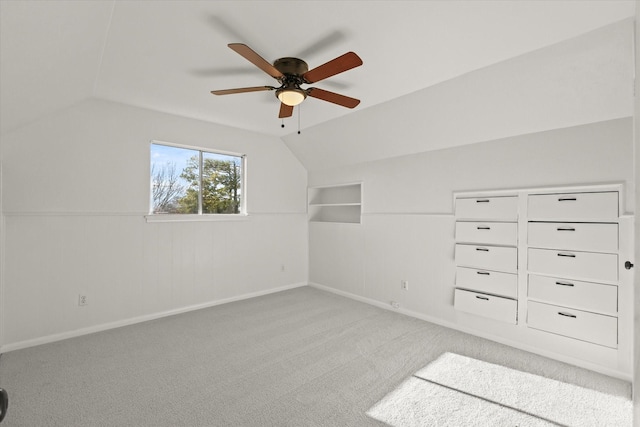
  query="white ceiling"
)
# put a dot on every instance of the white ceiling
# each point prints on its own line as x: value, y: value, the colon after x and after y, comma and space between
x: 168, y: 55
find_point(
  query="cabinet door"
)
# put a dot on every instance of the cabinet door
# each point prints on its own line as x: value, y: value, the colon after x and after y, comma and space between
x: 497, y: 308
x: 573, y: 293
x: 496, y: 208
x: 488, y: 233
x: 574, y: 264
x: 596, y: 237
x: 495, y: 258
x: 582, y: 325
x: 490, y: 282
x: 603, y: 205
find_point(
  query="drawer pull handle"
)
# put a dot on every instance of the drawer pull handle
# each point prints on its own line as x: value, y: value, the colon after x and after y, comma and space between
x: 567, y: 199
x: 573, y: 316
x: 482, y: 249
x: 482, y: 201
x: 564, y: 284
x: 480, y: 227
x: 567, y: 255
x: 566, y: 229
x: 484, y: 273
x: 482, y: 298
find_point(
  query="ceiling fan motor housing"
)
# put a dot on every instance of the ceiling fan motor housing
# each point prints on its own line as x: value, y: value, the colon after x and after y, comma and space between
x: 291, y: 66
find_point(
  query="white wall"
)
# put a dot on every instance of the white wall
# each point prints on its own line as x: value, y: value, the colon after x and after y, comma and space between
x: 636, y: 164
x: 75, y: 192
x: 556, y: 117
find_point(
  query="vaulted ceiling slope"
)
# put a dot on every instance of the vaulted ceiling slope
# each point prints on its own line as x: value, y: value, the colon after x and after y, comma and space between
x: 582, y: 80
x: 168, y: 55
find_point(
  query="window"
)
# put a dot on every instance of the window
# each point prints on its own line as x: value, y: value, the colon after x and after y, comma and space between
x: 195, y: 181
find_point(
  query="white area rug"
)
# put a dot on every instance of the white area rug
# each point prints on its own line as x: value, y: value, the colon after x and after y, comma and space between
x: 455, y: 390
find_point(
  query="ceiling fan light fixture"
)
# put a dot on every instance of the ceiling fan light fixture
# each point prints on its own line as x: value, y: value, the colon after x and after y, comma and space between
x: 291, y: 96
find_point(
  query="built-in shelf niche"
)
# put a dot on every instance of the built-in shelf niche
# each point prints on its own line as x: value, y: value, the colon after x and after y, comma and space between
x: 336, y: 203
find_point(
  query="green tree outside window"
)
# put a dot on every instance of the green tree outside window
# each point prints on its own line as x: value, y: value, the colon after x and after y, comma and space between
x: 183, y: 179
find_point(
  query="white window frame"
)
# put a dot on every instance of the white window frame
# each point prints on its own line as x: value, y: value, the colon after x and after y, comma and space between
x: 200, y: 217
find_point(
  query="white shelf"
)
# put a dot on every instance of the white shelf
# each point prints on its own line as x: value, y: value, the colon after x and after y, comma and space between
x: 340, y: 203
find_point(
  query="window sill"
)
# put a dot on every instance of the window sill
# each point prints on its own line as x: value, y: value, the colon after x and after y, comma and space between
x: 195, y: 218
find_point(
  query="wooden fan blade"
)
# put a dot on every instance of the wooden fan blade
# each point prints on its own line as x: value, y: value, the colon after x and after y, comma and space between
x: 335, y: 98
x: 242, y: 90
x: 336, y: 66
x: 256, y: 59
x: 285, y: 111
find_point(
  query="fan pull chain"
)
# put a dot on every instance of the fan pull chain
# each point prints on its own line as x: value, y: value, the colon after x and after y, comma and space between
x: 299, y: 119
x: 282, y: 125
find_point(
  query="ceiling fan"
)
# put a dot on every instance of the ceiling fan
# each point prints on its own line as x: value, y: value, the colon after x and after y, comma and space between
x: 291, y: 73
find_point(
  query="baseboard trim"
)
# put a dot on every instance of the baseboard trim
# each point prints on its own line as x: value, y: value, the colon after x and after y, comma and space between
x: 559, y: 357
x: 131, y: 321
x: 385, y: 306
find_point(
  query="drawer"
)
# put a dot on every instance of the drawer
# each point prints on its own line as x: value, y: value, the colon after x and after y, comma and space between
x: 495, y: 258
x: 572, y: 293
x: 490, y: 233
x: 577, y: 236
x: 490, y: 282
x: 581, y: 325
x: 497, y: 208
x: 574, y: 264
x: 603, y: 205
x: 497, y: 308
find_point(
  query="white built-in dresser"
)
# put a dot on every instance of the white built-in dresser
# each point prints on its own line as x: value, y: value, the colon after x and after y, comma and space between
x: 487, y: 257
x: 544, y: 269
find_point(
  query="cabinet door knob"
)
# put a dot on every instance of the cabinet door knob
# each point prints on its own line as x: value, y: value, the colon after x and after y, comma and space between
x: 628, y: 265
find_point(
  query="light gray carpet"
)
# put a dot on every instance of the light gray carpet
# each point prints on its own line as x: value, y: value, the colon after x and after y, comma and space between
x: 456, y: 391
x: 302, y: 357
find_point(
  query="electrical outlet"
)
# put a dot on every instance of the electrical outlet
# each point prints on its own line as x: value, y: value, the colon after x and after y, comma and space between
x: 404, y: 284
x: 82, y: 299
x: 395, y: 304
